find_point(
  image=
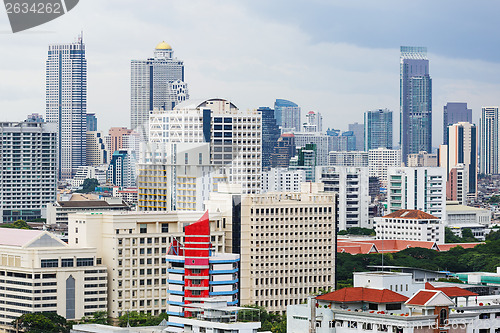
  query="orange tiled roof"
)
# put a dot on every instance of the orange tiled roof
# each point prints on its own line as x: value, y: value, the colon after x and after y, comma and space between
x: 449, y: 246
x: 411, y: 214
x: 378, y: 245
x: 422, y: 297
x: 360, y: 294
x: 451, y: 291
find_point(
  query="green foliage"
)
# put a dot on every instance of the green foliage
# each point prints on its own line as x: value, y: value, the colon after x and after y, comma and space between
x: 19, y: 224
x: 270, y: 321
x: 41, y: 322
x: 495, y: 199
x: 99, y: 317
x: 140, y: 319
x: 38, y: 220
x: 357, y: 231
x: 450, y: 280
x: 467, y: 236
x: 494, y: 235
x: 89, y: 185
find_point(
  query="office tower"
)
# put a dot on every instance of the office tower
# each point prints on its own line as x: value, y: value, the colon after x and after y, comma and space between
x: 97, y: 152
x: 66, y: 103
x: 379, y: 160
x: 461, y: 150
x: 176, y: 176
x: 351, y: 184
x: 305, y: 160
x: 156, y: 82
x: 270, y: 135
x: 454, y: 113
x: 421, y: 188
x: 283, y: 151
x: 313, y: 123
x: 235, y: 136
x: 287, y: 115
x: 489, y: 132
x: 378, y: 129
x: 91, y: 122
x: 343, y: 142
x: 358, y: 131
x: 263, y: 228
x: 415, y: 101
x: 282, y: 180
x: 133, y: 246
x: 348, y: 158
x: 422, y: 159
x: 35, y: 118
x: 122, y: 169
x: 28, y: 177
x: 323, y: 142
x: 42, y: 273
x: 333, y: 132
x: 122, y: 138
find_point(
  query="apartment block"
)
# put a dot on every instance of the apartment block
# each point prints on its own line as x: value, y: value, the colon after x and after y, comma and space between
x: 379, y: 160
x: 282, y: 180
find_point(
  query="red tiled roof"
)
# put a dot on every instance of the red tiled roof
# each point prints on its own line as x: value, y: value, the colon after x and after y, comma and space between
x: 386, y: 245
x: 360, y: 294
x: 355, y: 247
x: 411, y: 214
x: 422, y: 297
x: 449, y: 246
x: 451, y: 291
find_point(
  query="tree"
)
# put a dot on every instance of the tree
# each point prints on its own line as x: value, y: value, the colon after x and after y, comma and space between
x: 140, y: 319
x: 41, y: 322
x: 495, y: 199
x: 99, y: 317
x: 89, y: 185
x: 19, y: 224
x: 357, y: 231
x: 269, y: 321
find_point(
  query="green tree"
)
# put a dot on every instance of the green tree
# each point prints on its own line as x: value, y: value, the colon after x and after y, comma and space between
x: 41, y: 322
x: 19, y: 224
x: 495, y: 199
x: 269, y: 321
x: 89, y: 185
x: 99, y: 317
x: 140, y: 319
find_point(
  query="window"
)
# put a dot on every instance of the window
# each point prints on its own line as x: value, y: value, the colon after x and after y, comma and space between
x: 67, y: 262
x: 49, y: 263
x: 196, y: 292
x: 373, y: 306
x: 393, y: 306
x: 84, y: 262
x: 196, y: 271
x: 143, y: 228
x: 164, y: 227
x: 443, y: 320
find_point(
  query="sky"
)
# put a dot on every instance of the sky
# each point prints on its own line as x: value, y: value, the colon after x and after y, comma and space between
x: 339, y: 58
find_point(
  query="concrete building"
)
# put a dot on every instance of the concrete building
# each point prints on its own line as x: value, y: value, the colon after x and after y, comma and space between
x: 459, y: 217
x: 176, y: 176
x: 422, y: 159
x: 91, y: 121
x: 133, y: 247
x: 283, y: 151
x: 324, y: 144
x: 156, y: 82
x: 282, y: 180
x: 66, y: 104
x: 313, y: 123
x: 489, y: 141
x: 270, y: 135
x: 87, y: 172
x: 97, y: 152
x: 122, y: 169
x: 379, y: 160
x: 351, y: 184
x: 378, y: 129
x: 287, y: 115
x: 122, y: 138
x: 422, y: 188
x: 305, y: 160
x: 348, y: 158
x: 39, y: 272
x: 286, y: 242
x: 454, y: 113
x: 28, y: 176
x: 359, y: 133
x: 408, y: 224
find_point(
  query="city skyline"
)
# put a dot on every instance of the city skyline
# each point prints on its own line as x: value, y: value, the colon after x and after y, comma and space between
x: 332, y: 81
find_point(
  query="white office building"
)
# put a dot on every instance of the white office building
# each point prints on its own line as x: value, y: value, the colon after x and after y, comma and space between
x: 421, y: 188
x: 282, y: 180
x: 97, y: 151
x: 323, y: 142
x: 314, y: 122
x: 351, y: 184
x: 379, y: 160
x: 66, y: 103
x: 28, y: 176
x: 348, y: 158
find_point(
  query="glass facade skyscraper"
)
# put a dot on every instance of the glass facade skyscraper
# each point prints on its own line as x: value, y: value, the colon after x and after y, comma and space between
x: 489, y: 131
x: 270, y: 135
x: 378, y: 129
x: 415, y: 101
x: 454, y: 113
x: 287, y: 115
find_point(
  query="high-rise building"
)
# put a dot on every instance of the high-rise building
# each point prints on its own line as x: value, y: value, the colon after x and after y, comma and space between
x: 489, y: 137
x: 270, y: 135
x: 287, y: 115
x: 282, y: 180
x: 314, y: 122
x: 359, y: 132
x: 323, y: 142
x: 283, y: 151
x: 122, y: 169
x: 28, y: 176
x: 421, y: 188
x: 351, y: 184
x: 305, y: 160
x: 461, y: 150
x: 66, y: 103
x: 378, y: 129
x: 343, y: 142
x: 348, y: 158
x: 380, y: 159
x: 454, y: 113
x: 415, y: 101
x: 118, y: 137
x: 157, y: 82
x: 91, y: 122
x: 97, y: 152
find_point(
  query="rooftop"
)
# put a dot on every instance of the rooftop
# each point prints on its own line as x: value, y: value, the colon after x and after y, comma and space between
x: 411, y: 214
x: 17, y: 237
x: 360, y: 294
x: 451, y: 291
x: 89, y: 203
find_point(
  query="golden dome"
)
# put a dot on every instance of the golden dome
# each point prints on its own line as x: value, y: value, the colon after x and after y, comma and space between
x: 163, y: 46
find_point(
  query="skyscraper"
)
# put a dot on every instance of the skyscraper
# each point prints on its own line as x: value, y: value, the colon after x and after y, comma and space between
x: 378, y: 129
x: 287, y: 115
x: 359, y: 133
x: 157, y: 82
x: 489, y: 131
x: 313, y: 123
x: 454, y: 113
x: 270, y: 135
x: 415, y: 101
x: 66, y: 103
x: 91, y: 122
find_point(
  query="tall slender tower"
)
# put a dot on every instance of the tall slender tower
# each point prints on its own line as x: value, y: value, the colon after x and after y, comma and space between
x: 489, y: 132
x: 378, y: 129
x: 156, y: 82
x: 415, y: 101
x: 66, y: 103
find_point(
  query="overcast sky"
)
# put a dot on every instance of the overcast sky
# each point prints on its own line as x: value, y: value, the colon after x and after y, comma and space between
x: 340, y: 58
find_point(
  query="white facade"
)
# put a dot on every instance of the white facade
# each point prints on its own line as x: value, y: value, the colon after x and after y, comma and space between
x: 422, y: 188
x: 323, y: 142
x: 39, y: 272
x: 97, y: 151
x: 351, y: 184
x: 348, y: 158
x: 282, y: 180
x: 58, y: 211
x: 401, y: 283
x: 314, y: 122
x: 28, y: 176
x: 379, y: 160
x: 422, y: 159
x: 66, y: 103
